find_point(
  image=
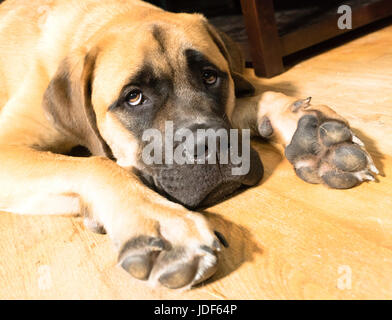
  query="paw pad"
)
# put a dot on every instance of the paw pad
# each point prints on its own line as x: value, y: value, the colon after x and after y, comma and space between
x: 139, y: 266
x: 138, y: 255
x: 328, y: 153
x: 305, y: 139
x: 333, y: 132
x: 179, y: 276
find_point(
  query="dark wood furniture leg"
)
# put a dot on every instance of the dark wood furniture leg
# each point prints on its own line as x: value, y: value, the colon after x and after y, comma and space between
x: 265, y: 45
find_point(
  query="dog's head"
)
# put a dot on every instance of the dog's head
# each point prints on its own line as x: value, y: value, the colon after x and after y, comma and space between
x: 136, y: 86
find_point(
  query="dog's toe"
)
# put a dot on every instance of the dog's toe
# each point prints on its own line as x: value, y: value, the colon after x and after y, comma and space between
x: 183, y: 267
x: 349, y: 157
x: 179, y: 276
x: 138, y: 255
x: 334, y: 132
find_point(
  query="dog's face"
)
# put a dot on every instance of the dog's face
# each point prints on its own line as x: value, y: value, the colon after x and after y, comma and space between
x: 167, y: 76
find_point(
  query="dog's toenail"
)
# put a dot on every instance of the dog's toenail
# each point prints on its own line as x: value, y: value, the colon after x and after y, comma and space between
x: 221, y: 238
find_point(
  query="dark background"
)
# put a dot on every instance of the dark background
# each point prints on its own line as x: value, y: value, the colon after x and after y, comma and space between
x: 213, y: 8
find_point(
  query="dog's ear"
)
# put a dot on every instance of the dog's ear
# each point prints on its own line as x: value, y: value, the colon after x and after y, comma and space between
x: 232, y: 52
x: 67, y: 102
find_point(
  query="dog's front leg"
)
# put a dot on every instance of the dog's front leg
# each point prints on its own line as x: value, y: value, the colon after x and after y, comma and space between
x: 156, y: 239
x: 318, y: 142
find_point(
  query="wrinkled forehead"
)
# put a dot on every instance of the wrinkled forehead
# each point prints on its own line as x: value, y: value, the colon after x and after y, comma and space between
x: 161, y: 49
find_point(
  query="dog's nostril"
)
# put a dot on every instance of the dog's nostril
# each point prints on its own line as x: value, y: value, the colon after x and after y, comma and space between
x: 200, y: 151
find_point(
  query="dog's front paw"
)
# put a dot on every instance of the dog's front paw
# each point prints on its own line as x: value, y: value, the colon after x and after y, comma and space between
x: 183, y: 253
x: 325, y: 150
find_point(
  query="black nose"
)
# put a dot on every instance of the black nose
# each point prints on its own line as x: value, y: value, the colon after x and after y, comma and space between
x: 201, y: 181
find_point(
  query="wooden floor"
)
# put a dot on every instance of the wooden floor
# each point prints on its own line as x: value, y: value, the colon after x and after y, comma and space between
x: 288, y: 239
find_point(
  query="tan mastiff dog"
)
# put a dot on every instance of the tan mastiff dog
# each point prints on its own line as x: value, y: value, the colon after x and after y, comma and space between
x: 98, y: 74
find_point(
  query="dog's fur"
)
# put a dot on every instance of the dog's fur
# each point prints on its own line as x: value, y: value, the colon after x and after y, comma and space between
x: 65, y: 68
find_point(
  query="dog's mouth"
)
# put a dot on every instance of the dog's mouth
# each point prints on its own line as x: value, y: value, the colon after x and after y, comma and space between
x: 201, y: 186
x: 222, y: 192
x: 196, y: 186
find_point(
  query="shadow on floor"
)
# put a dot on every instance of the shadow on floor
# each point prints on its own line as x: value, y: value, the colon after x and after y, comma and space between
x: 241, y: 246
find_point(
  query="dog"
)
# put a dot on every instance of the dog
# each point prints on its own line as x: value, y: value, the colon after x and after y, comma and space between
x: 98, y: 74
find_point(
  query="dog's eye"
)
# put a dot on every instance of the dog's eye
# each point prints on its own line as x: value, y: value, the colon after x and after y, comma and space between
x: 209, y: 76
x: 135, y: 97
